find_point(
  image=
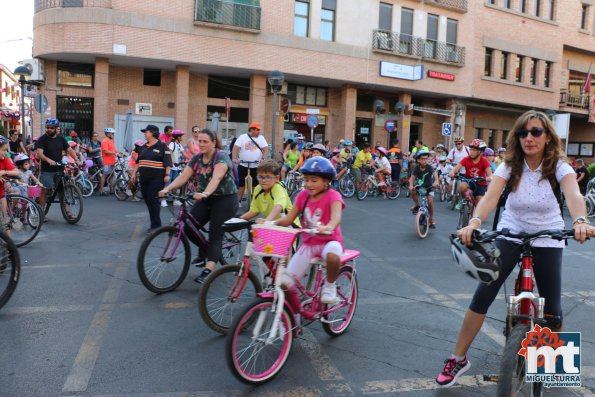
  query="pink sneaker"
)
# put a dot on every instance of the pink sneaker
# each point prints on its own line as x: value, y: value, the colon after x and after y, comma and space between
x: 452, y: 370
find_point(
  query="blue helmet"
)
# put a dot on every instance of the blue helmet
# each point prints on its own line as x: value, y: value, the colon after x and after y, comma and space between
x: 53, y: 122
x: 319, y: 166
x: 3, y: 140
x: 421, y: 153
x: 347, y: 142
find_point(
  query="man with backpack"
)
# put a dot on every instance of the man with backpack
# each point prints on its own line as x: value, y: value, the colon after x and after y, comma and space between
x: 249, y: 149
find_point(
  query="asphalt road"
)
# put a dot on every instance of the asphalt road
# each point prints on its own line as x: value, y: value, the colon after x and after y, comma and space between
x: 81, y: 324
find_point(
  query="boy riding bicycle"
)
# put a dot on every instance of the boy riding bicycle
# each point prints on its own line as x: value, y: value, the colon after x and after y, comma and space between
x: 444, y: 169
x: 475, y: 166
x: 424, y: 175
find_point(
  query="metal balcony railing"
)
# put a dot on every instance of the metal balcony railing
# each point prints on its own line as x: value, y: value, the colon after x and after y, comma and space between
x: 404, y: 44
x: 458, y: 5
x: 41, y: 5
x: 228, y: 13
x: 574, y: 100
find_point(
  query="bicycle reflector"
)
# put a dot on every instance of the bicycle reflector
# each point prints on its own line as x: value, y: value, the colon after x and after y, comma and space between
x: 480, y: 261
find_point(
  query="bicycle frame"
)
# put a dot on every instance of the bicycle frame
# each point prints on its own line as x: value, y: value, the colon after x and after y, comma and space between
x: 184, y: 219
x: 520, y: 304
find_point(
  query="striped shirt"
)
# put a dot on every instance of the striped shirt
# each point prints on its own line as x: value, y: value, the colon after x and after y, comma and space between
x: 153, y: 160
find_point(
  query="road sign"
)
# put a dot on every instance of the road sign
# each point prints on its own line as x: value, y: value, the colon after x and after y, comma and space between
x: 41, y: 103
x: 446, y: 129
x: 286, y: 105
x: 390, y: 125
x: 312, y: 121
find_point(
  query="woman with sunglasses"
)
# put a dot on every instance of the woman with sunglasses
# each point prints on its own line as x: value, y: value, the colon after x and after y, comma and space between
x: 533, y: 166
x: 192, y: 143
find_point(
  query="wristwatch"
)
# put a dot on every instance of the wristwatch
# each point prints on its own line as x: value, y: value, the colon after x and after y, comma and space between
x: 580, y: 219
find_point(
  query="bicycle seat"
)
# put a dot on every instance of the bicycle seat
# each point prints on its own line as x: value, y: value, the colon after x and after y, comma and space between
x: 235, y: 224
x: 348, y: 256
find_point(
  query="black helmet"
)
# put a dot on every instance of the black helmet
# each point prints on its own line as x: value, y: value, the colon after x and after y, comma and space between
x: 309, y: 145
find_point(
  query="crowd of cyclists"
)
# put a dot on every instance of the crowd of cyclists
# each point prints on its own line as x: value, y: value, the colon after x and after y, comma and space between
x: 163, y: 163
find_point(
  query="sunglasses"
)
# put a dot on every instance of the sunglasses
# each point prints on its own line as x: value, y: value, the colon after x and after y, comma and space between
x: 458, y: 143
x: 264, y: 178
x: 535, y: 132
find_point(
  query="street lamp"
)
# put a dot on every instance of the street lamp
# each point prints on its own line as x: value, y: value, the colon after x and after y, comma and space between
x: 276, y: 79
x: 24, y: 73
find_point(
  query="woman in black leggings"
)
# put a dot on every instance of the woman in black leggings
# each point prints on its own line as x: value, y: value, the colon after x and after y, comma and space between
x: 216, y: 201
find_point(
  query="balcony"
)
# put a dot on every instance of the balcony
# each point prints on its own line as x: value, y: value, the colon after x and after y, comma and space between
x: 456, y: 5
x: 41, y: 5
x: 573, y: 100
x: 243, y: 14
x: 418, y: 48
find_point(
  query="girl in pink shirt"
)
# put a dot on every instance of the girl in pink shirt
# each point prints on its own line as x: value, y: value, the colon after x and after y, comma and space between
x: 320, y: 208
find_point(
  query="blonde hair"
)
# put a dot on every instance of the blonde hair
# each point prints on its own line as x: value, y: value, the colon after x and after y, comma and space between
x: 514, y: 156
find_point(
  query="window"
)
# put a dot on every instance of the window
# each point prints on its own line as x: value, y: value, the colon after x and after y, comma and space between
x: 491, y: 1
x: 537, y: 4
x: 523, y: 5
x: 491, y: 138
x: 152, y: 77
x: 534, y: 71
x: 504, y: 66
x: 507, y: 3
x: 487, y: 68
x: 584, y: 16
x: 385, y: 24
x: 406, y: 38
x: 552, y: 9
x: 451, y: 40
x: 327, y: 25
x: 307, y: 95
x: 300, y: 21
x: 232, y: 87
x: 518, y: 73
x: 431, y: 36
x: 477, y: 133
x: 75, y: 113
x: 76, y: 74
x: 548, y: 74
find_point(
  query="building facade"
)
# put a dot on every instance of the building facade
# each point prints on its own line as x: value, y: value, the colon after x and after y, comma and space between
x: 10, y: 101
x: 476, y: 64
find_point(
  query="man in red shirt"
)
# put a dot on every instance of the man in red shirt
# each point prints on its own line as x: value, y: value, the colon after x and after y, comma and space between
x: 108, y: 157
x: 7, y: 168
x: 167, y: 135
x: 476, y: 165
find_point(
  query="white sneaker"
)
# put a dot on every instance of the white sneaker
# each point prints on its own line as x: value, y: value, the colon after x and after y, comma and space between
x: 329, y: 294
x: 129, y: 192
x: 163, y: 203
x: 177, y: 203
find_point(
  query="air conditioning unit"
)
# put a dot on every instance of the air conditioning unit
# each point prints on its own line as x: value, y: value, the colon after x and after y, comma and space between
x: 36, y: 67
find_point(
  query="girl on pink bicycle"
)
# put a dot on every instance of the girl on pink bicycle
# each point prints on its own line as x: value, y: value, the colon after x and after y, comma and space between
x: 321, y: 208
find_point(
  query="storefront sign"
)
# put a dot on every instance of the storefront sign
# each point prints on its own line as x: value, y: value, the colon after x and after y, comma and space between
x: 313, y: 111
x: 145, y: 109
x: 364, y: 130
x: 302, y: 118
x: 398, y: 71
x: 441, y: 75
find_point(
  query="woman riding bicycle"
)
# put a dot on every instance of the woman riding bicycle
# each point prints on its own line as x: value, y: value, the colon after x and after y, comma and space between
x: 216, y: 200
x: 534, y: 168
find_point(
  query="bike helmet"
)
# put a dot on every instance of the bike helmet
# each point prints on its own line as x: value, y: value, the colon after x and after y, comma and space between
x: 336, y: 151
x: 488, y: 152
x: 502, y: 150
x: 478, y: 144
x: 72, y: 144
x: 439, y: 146
x: 443, y: 159
x: 420, y: 153
x: 382, y: 150
x: 309, y: 146
x: 73, y: 134
x: 347, y: 142
x: 109, y: 130
x: 3, y: 140
x: 480, y: 261
x: 320, y: 148
x: 178, y: 132
x: 52, y: 122
x: 319, y: 166
x: 459, y: 139
x: 139, y: 142
x: 20, y: 159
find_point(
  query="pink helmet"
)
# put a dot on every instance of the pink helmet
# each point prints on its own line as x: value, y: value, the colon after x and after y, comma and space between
x: 35, y: 138
x: 139, y: 142
x: 382, y: 150
x: 73, y: 134
x: 72, y: 144
x: 178, y: 132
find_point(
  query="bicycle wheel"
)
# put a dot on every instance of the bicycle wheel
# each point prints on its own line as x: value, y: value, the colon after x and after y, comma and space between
x: 421, y: 223
x: 511, y: 381
x: 120, y: 187
x: 441, y: 192
x: 337, y: 322
x: 362, y: 192
x: 392, y: 193
x: 86, y: 187
x: 347, y: 186
x: 227, y: 290
x: 10, y: 268
x: 250, y: 355
x: 590, y: 208
x: 71, y: 204
x: 25, y: 219
x: 463, y: 216
x: 456, y: 196
x: 233, y: 246
x: 159, y: 263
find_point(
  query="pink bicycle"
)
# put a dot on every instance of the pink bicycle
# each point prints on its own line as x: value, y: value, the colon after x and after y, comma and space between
x: 261, y: 336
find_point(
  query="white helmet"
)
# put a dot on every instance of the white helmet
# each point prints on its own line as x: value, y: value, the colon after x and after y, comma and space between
x: 109, y: 130
x: 480, y: 261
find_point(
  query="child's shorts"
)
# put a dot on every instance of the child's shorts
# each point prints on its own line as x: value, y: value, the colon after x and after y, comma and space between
x: 300, y: 261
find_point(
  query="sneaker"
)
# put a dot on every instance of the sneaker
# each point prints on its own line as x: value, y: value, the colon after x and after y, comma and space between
x: 177, y: 203
x: 135, y: 199
x: 203, y: 276
x: 164, y: 203
x: 128, y: 192
x: 199, y: 262
x: 452, y: 370
x: 432, y: 226
x: 329, y: 294
x: 459, y: 206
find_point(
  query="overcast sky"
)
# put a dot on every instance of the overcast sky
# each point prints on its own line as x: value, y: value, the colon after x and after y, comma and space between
x: 16, y: 31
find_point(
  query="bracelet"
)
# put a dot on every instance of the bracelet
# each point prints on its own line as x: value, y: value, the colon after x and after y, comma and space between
x: 580, y: 219
x: 475, y: 218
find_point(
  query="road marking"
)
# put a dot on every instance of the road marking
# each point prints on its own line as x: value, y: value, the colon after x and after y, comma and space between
x: 47, y: 309
x: 418, y: 384
x: 78, y: 265
x: 300, y: 391
x: 84, y: 363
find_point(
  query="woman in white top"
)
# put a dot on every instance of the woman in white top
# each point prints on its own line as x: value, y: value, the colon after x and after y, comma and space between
x: 382, y: 165
x: 534, y: 163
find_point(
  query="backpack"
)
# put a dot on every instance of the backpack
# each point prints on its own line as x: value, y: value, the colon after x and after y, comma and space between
x: 234, y: 170
x: 508, y: 189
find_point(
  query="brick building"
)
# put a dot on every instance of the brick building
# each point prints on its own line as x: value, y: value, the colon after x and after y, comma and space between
x: 10, y: 100
x: 477, y: 64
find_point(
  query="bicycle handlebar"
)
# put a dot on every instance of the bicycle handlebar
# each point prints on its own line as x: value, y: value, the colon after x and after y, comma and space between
x: 169, y: 196
x: 489, y: 236
x: 474, y: 179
